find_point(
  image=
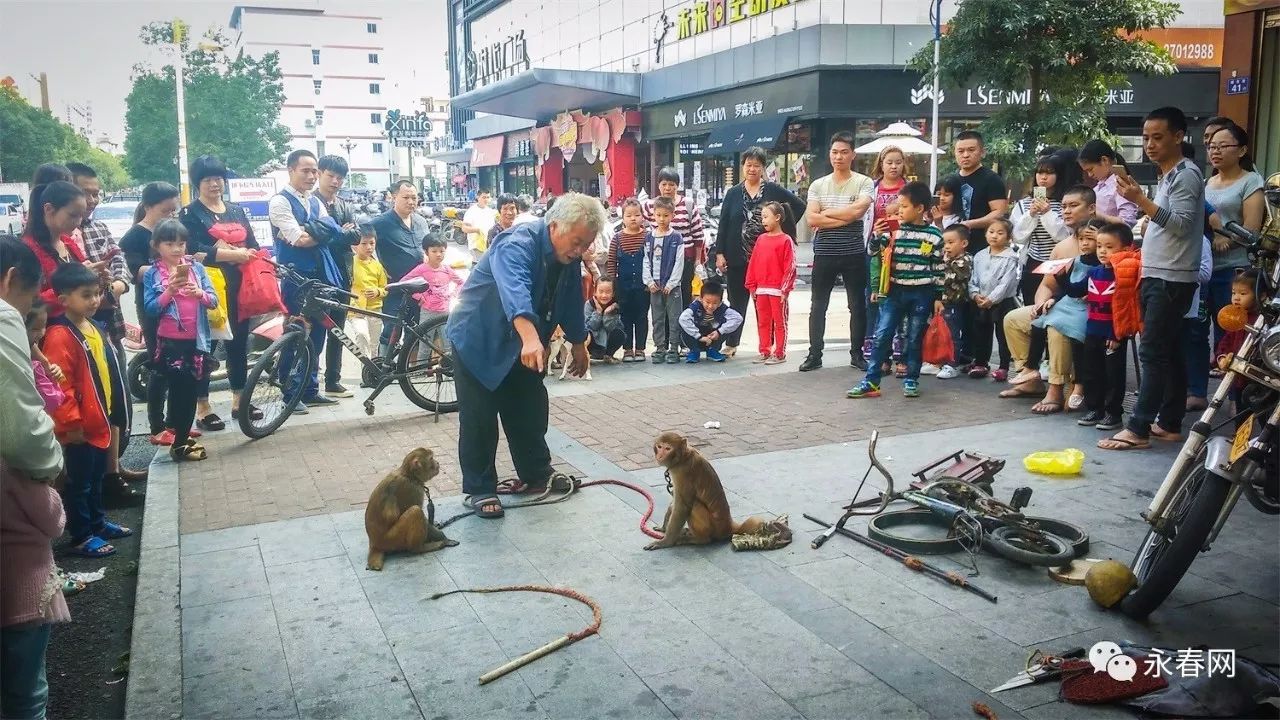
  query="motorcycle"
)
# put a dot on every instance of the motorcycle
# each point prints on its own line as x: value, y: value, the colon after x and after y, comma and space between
x: 1214, y: 470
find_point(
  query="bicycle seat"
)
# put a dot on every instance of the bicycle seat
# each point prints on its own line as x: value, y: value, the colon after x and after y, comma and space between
x: 414, y: 285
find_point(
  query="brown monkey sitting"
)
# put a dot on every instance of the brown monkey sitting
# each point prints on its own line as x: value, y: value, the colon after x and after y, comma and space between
x: 697, y: 498
x: 394, y: 519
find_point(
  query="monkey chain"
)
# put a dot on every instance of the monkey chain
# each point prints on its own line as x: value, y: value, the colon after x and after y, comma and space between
x: 568, y: 639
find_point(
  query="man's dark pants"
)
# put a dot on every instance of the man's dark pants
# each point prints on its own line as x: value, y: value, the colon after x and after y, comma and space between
x: 293, y: 303
x: 520, y: 403
x: 1163, y: 391
x: 852, y: 270
x: 333, y: 350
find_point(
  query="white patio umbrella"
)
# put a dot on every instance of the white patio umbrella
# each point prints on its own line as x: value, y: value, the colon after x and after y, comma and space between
x: 910, y: 145
x: 898, y: 129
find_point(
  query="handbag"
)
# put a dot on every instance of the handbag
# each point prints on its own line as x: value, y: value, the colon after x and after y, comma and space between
x: 259, y: 289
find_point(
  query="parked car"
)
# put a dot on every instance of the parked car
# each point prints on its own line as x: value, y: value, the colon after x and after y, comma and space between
x: 117, y: 215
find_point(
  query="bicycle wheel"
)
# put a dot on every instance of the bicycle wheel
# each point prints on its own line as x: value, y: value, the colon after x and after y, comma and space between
x: 426, y: 371
x: 1166, y: 556
x: 1029, y: 547
x: 139, y: 374
x: 265, y: 390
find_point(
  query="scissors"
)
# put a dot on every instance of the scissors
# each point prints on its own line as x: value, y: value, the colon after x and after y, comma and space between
x: 1041, y: 667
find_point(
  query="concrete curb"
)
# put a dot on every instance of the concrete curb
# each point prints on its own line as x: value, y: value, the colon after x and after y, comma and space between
x: 155, y: 657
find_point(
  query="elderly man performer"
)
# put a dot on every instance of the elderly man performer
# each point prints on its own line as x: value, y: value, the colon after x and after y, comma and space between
x: 522, y: 289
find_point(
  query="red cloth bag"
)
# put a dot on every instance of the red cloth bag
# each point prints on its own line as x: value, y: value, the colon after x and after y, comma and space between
x: 938, y: 347
x: 259, y: 289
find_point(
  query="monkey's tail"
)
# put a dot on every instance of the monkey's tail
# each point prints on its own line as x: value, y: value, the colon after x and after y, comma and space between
x: 644, y: 519
x: 568, y: 639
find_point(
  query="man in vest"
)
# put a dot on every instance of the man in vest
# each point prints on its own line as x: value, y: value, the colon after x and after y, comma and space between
x: 288, y: 211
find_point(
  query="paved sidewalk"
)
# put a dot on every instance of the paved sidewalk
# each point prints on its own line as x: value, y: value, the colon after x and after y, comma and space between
x: 282, y: 620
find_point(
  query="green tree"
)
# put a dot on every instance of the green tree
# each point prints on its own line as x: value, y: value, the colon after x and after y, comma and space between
x: 1066, y: 53
x: 232, y: 108
x: 30, y: 136
x: 357, y: 181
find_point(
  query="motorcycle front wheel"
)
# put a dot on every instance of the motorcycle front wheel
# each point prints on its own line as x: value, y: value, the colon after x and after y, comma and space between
x: 1166, y: 555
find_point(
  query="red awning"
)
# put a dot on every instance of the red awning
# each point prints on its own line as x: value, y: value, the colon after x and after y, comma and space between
x: 487, y: 152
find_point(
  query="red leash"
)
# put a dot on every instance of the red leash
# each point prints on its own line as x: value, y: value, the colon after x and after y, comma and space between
x: 644, y: 519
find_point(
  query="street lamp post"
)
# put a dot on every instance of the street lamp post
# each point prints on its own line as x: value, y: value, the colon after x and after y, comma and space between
x: 183, y: 178
x: 936, y: 11
x: 348, y: 146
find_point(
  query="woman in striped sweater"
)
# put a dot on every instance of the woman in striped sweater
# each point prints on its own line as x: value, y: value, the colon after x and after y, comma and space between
x: 1038, y: 226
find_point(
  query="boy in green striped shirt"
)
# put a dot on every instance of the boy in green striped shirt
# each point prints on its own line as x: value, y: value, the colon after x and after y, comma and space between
x: 914, y: 268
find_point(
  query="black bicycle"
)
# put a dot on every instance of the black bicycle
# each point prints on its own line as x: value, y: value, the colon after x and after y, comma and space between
x: 418, y: 357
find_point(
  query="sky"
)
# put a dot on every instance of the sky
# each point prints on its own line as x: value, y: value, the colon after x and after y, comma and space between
x: 101, y: 45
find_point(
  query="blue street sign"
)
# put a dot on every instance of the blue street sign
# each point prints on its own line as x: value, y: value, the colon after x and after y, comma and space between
x: 1238, y: 85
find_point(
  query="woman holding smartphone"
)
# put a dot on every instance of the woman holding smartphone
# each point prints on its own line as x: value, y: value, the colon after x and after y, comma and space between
x: 1038, y: 226
x: 1101, y: 165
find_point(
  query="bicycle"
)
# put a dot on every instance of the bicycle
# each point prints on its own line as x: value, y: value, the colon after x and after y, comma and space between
x: 418, y: 357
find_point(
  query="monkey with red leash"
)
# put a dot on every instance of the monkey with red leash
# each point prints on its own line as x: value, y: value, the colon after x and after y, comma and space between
x: 697, y: 498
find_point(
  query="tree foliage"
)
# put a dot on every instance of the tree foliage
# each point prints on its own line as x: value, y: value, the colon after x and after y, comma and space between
x: 30, y: 136
x: 1067, y: 53
x: 232, y: 108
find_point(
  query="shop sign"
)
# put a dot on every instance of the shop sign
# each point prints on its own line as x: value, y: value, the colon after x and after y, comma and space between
x: 704, y: 15
x: 987, y: 96
x: 565, y: 131
x: 519, y: 146
x: 409, y: 131
x: 496, y: 61
x: 791, y: 96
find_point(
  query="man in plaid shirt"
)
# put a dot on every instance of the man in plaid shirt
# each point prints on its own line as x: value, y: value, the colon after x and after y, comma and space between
x: 97, y: 243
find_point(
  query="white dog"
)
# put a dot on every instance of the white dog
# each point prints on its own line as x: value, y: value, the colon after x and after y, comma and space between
x: 561, y: 356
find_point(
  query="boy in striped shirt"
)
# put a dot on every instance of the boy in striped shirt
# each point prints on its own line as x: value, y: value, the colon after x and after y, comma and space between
x: 914, y: 271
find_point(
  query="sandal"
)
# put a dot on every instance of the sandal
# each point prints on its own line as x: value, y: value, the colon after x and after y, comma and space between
x: 1075, y: 402
x: 1119, y: 443
x: 478, y: 503
x: 255, y: 413
x: 163, y: 438
x: 211, y: 422
x: 1045, y: 407
x: 112, y: 531
x: 1017, y: 392
x: 516, y: 486
x: 1160, y: 433
x: 192, y: 451
x: 93, y: 547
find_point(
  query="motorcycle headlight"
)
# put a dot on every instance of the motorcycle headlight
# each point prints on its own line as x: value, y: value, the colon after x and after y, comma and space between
x: 1270, y: 348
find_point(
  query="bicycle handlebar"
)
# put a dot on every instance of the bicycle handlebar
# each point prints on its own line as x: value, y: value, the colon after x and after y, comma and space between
x: 305, y: 283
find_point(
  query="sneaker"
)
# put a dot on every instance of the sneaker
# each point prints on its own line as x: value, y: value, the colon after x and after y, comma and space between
x: 776, y: 360
x: 659, y: 357
x: 929, y: 369
x: 948, y: 372
x: 910, y: 388
x: 1110, y: 422
x: 764, y: 358
x: 716, y: 355
x: 999, y: 375
x: 693, y: 357
x: 1091, y: 419
x: 811, y: 363
x: 977, y: 372
x: 864, y: 389
x: 337, y: 390
x: 858, y: 362
x: 300, y: 408
x: 673, y: 356
x: 319, y: 400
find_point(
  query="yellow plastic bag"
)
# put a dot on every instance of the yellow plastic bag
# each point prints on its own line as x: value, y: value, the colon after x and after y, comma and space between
x: 219, y: 325
x: 1055, y: 462
x: 696, y: 285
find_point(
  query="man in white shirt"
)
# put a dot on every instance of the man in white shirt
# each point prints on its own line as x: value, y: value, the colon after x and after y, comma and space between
x: 476, y: 223
x: 836, y: 206
x: 288, y: 210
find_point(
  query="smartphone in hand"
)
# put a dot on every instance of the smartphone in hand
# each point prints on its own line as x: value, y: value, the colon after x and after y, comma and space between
x: 893, y: 224
x: 1040, y: 193
x: 183, y: 273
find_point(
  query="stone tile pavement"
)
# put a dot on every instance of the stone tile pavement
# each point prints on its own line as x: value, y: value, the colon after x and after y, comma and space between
x: 282, y: 620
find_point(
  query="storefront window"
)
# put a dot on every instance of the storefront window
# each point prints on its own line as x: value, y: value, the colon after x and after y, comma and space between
x: 792, y: 164
x: 519, y: 179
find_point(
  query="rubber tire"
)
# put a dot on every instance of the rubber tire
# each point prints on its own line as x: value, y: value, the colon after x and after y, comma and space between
x: 277, y: 348
x: 406, y: 384
x: 1165, y: 575
x: 139, y: 375
x: 996, y: 542
x: 1073, y: 534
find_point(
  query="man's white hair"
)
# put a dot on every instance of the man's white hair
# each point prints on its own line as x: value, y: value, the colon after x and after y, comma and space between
x: 573, y: 208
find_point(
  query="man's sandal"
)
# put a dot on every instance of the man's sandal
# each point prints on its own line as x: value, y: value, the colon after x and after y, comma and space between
x: 1046, y: 407
x: 516, y: 486
x: 112, y: 531
x: 478, y: 503
x: 191, y: 452
x: 93, y: 547
x: 1117, y: 443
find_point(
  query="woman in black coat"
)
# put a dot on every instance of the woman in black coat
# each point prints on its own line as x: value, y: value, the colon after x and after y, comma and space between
x: 740, y: 226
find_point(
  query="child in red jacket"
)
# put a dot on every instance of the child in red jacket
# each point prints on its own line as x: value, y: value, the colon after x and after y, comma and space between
x: 771, y: 275
x: 1244, y: 295
x: 95, y: 399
